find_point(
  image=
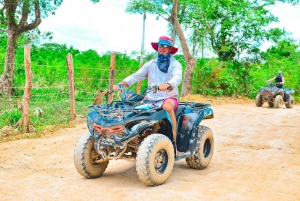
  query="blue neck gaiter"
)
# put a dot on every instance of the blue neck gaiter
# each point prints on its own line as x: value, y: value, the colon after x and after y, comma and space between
x: 163, y: 62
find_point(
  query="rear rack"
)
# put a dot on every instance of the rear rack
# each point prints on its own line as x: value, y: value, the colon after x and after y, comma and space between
x: 195, y: 105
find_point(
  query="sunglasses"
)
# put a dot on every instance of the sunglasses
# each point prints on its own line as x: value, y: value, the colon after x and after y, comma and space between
x: 162, y: 45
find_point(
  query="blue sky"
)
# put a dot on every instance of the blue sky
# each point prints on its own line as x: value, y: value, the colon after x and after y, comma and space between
x: 106, y: 27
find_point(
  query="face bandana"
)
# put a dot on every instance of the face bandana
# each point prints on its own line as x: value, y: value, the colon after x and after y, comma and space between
x: 279, y: 75
x: 163, y: 62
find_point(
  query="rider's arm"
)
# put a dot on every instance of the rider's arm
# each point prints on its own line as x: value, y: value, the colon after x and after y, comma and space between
x: 140, y: 75
x: 271, y: 79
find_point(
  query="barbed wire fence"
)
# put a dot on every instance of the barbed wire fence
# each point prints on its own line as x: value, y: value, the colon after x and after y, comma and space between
x: 50, y: 101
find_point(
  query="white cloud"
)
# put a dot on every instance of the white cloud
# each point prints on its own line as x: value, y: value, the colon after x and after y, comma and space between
x: 103, y: 26
x: 106, y: 27
x: 289, y: 17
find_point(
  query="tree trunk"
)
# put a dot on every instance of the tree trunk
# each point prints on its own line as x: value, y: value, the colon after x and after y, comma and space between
x: 7, y: 78
x: 138, y: 90
x: 16, y: 16
x: 189, y: 59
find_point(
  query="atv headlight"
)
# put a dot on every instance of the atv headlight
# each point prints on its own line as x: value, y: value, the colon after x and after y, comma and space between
x: 90, y: 124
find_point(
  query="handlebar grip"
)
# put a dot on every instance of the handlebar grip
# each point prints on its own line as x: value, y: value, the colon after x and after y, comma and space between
x: 169, y: 88
x: 154, y: 89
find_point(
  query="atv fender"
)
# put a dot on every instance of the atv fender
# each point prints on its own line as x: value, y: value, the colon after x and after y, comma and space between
x: 188, y: 129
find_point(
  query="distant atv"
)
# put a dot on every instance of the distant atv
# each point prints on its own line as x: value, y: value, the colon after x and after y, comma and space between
x: 132, y: 130
x: 275, y: 97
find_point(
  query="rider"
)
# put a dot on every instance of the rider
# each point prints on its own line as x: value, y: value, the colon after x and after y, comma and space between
x: 279, y: 84
x: 279, y: 80
x: 164, y: 71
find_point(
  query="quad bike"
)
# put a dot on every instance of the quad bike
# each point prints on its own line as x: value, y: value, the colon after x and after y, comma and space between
x: 135, y: 130
x: 275, y: 97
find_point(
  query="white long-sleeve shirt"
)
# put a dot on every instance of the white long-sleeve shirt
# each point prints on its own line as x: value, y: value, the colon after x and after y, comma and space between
x: 156, y: 77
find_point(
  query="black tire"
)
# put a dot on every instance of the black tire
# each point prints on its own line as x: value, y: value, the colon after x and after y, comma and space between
x: 291, y: 103
x: 204, y: 150
x: 278, y: 101
x: 84, y: 156
x: 155, y: 160
x: 271, y: 104
x: 259, y: 101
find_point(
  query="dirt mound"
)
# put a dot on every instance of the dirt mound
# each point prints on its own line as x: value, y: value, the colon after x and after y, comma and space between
x: 218, y: 100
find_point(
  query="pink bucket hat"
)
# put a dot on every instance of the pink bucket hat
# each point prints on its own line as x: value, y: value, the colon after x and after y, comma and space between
x: 165, y: 40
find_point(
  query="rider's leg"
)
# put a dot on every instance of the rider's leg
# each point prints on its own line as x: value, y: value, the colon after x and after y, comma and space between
x: 170, y: 105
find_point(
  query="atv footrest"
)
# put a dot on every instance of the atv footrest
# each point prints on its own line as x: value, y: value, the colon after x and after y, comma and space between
x: 182, y: 155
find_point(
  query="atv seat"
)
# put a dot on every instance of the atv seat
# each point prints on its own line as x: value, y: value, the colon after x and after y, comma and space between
x: 179, y: 110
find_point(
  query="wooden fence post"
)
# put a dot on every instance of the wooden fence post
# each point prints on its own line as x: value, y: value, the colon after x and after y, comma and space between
x: 111, y: 76
x: 70, y: 68
x: 138, y: 89
x: 27, y: 90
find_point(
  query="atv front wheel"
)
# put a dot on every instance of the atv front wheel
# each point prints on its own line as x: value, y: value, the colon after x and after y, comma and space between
x: 278, y: 101
x: 155, y: 159
x: 259, y: 100
x: 291, y: 103
x: 85, y: 158
x: 204, y: 150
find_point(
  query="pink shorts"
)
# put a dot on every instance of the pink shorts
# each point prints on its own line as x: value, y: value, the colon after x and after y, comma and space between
x: 175, y: 102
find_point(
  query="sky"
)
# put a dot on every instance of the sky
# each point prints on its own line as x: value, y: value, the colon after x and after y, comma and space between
x: 102, y: 27
x: 106, y: 26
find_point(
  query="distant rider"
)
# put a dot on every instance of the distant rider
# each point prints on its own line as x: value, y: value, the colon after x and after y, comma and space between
x: 279, y: 80
x: 279, y: 84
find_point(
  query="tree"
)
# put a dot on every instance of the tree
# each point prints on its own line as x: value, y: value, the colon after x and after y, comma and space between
x: 233, y: 27
x: 283, y: 49
x: 16, y: 18
x: 169, y: 10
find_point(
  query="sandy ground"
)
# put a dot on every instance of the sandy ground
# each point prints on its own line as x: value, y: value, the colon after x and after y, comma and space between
x: 256, y: 157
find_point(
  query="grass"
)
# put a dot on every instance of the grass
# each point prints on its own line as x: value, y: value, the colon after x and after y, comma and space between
x: 46, y: 115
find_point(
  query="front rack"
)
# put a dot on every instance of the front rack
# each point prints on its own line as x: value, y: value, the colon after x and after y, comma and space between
x: 107, y: 109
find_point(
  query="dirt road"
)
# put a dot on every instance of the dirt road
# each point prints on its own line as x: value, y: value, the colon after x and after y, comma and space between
x: 256, y: 157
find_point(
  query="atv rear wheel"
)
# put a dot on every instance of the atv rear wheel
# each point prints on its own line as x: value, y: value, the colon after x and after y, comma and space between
x: 259, y: 101
x: 291, y: 103
x: 155, y: 159
x: 85, y: 156
x: 278, y: 101
x: 204, y: 150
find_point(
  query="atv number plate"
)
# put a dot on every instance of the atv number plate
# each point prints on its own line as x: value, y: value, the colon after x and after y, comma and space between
x: 266, y: 93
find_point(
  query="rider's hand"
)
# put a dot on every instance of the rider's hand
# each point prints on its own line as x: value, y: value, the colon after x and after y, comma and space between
x: 118, y: 87
x: 164, y: 87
